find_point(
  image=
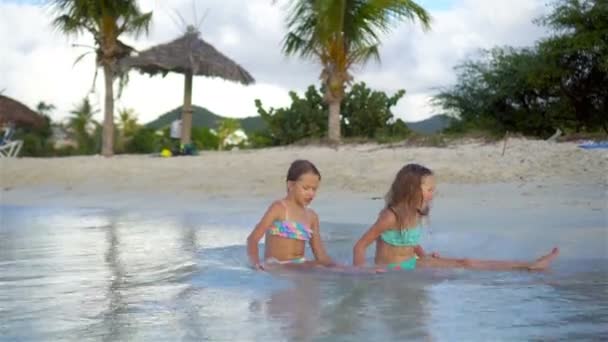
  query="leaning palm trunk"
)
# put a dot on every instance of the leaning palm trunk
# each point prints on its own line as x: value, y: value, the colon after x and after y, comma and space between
x: 107, y: 149
x: 335, y: 82
x: 187, y: 110
x: 333, y: 128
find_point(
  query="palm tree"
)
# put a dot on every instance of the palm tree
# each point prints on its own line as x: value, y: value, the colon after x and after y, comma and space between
x: 106, y: 20
x: 340, y: 34
x: 82, y: 126
x: 128, y: 122
x: 127, y: 127
x: 44, y: 108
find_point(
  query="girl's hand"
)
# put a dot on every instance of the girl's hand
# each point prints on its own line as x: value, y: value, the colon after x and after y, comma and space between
x: 380, y: 270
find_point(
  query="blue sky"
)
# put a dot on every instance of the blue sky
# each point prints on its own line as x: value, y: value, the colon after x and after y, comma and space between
x: 38, y: 63
x: 436, y: 5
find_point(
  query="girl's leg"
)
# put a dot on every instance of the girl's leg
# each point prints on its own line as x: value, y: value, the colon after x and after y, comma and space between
x: 317, y: 266
x: 308, y: 264
x: 539, y: 264
x: 299, y: 264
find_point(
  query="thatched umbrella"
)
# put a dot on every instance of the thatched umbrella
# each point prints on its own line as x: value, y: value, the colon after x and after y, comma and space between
x: 188, y: 55
x: 16, y: 112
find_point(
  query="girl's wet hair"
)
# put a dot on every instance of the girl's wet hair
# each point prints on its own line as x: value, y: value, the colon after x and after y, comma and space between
x: 301, y: 167
x: 405, y: 195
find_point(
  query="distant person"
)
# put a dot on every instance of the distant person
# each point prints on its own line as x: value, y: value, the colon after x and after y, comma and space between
x: 175, y: 132
x: 397, y: 230
x: 176, y: 129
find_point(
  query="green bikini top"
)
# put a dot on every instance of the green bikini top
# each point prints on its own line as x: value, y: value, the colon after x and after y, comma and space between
x: 402, y: 237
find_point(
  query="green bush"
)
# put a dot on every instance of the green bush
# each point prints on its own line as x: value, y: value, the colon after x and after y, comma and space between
x: 65, y: 151
x: 204, y: 139
x: 35, y: 145
x: 259, y: 140
x: 145, y: 140
x: 366, y: 113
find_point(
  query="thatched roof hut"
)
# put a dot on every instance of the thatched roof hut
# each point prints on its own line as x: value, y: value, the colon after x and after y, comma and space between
x: 16, y: 112
x: 188, y: 55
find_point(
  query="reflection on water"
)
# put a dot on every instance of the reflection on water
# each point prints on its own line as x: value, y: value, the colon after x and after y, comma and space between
x: 80, y: 274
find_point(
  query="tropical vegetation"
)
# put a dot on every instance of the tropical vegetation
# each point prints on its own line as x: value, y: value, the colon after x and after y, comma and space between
x: 340, y: 34
x: 559, y: 83
x: 106, y: 21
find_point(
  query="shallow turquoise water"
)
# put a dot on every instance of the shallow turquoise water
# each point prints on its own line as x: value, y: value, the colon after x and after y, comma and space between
x: 70, y: 273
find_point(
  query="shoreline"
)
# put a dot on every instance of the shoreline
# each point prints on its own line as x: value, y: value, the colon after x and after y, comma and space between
x: 366, y: 170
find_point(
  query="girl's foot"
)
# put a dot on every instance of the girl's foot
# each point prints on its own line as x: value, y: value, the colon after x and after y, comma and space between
x: 544, y: 261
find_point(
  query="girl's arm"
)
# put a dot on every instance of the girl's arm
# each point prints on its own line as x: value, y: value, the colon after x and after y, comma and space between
x: 422, y: 254
x: 316, y: 244
x: 253, y: 239
x: 385, y: 221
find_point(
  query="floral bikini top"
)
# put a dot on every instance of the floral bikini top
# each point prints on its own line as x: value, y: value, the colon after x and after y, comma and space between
x: 290, y: 229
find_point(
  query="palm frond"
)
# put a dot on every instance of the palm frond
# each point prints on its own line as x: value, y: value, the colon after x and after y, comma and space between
x: 68, y: 25
x: 92, y: 90
x: 344, y: 32
x: 75, y: 16
x: 136, y: 25
x: 301, y: 23
x: 364, y: 54
x: 123, y: 80
x: 294, y: 44
x: 79, y: 58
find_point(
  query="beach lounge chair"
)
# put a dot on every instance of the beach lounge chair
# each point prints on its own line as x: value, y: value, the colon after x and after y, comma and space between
x: 593, y: 145
x: 8, y: 147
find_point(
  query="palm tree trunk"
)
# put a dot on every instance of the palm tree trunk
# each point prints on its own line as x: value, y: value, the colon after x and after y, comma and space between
x: 187, y: 110
x: 107, y: 149
x: 333, y: 127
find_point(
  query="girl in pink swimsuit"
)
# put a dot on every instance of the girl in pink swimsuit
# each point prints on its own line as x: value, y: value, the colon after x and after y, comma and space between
x: 289, y: 224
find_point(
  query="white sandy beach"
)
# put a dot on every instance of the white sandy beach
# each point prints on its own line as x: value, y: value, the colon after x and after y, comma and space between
x: 365, y: 169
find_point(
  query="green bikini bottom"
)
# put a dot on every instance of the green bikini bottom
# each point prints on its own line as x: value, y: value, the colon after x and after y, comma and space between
x: 408, y: 264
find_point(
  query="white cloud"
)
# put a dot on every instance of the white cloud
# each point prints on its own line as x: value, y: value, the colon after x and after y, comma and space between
x: 422, y: 62
x: 37, y: 62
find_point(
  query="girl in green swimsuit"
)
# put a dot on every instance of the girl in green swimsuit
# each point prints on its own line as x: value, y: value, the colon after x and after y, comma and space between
x: 397, y: 230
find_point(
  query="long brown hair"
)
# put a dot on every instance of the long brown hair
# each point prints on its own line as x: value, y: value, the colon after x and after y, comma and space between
x: 405, y: 195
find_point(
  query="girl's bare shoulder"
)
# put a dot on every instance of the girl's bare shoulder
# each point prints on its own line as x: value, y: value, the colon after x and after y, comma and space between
x: 387, y: 215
